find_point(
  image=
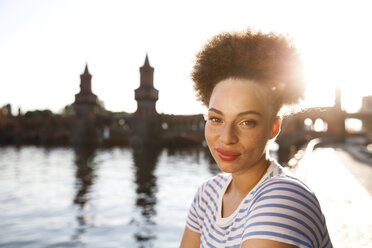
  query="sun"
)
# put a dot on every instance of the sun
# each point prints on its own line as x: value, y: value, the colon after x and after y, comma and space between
x: 325, y: 72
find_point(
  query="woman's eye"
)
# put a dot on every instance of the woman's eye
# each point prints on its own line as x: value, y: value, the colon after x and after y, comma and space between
x: 214, y: 119
x: 249, y: 123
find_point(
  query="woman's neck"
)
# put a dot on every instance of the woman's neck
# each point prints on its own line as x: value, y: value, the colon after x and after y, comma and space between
x: 241, y: 184
x: 244, y: 181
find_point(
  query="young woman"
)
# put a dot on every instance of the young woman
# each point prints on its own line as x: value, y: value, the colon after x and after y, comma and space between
x: 245, y: 79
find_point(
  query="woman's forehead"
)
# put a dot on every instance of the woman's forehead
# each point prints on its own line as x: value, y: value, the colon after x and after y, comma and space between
x: 239, y: 95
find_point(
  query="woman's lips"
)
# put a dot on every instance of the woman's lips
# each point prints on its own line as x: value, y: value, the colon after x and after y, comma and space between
x: 227, y: 155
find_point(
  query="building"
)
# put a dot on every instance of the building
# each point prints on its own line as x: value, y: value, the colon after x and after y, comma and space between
x: 86, y: 122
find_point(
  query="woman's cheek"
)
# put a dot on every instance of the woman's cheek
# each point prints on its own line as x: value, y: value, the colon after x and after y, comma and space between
x: 207, y: 133
x: 252, y: 136
x: 210, y: 130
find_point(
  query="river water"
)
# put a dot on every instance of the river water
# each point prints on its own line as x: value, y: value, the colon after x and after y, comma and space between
x: 118, y: 197
x: 121, y: 197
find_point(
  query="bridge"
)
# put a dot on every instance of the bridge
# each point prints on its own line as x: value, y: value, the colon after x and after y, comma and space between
x: 182, y: 129
x: 327, y: 123
x: 87, y: 125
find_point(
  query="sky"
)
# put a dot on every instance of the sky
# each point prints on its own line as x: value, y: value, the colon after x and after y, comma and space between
x: 45, y: 45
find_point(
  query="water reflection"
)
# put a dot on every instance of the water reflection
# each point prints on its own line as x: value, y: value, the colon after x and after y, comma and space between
x: 85, y: 177
x: 87, y: 197
x: 145, y: 161
x: 196, y: 155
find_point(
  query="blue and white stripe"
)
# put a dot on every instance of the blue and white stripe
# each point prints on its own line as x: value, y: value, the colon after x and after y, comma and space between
x: 279, y: 207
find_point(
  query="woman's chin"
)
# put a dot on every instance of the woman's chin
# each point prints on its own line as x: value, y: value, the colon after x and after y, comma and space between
x: 226, y: 167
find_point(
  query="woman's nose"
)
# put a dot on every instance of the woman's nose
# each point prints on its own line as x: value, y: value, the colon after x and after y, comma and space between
x: 228, y: 134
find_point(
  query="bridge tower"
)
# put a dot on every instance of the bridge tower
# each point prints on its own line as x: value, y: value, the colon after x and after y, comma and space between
x: 366, y: 111
x: 146, y: 126
x: 85, y: 97
x: 146, y: 95
x: 84, y: 129
x: 336, y: 119
x: 338, y: 99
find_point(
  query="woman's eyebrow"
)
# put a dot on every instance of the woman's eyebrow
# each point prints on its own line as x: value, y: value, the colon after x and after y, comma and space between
x: 249, y: 112
x: 215, y: 110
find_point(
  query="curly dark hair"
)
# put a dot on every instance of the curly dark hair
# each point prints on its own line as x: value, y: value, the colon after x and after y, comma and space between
x: 267, y: 59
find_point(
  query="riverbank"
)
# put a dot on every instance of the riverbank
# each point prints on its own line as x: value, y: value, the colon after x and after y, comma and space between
x: 339, y: 175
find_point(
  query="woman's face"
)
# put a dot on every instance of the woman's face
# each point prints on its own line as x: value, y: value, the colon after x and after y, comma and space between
x: 239, y: 124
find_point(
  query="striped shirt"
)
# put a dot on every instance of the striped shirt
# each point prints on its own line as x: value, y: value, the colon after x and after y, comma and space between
x: 280, y: 207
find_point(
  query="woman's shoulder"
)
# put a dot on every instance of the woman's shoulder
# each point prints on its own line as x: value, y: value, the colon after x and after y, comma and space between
x: 215, y: 183
x: 284, y: 204
x: 283, y: 185
x: 220, y: 179
x: 285, y: 191
x: 279, y: 177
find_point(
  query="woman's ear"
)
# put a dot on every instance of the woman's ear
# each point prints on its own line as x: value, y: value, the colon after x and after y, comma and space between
x: 276, y: 127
